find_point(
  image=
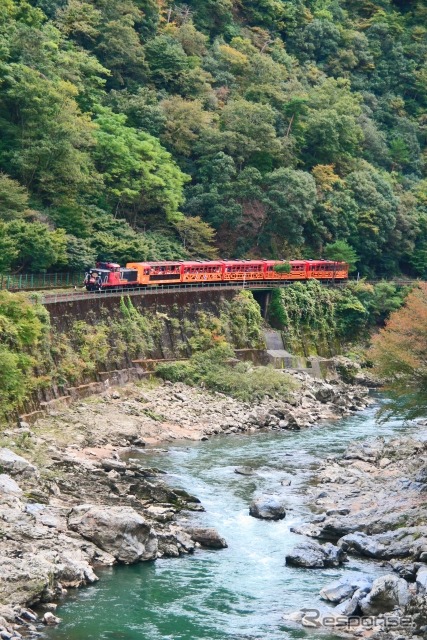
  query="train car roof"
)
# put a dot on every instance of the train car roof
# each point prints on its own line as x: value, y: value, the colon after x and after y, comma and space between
x: 256, y: 261
x: 199, y: 263
x: 284, y: 261
x: 164, y: 263
x: 324, y: 262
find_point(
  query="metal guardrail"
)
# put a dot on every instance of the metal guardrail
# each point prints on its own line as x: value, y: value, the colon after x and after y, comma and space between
x: 34, y: 281
x: 40, y: 281
x: 143, y: 291
x: 55, y: 298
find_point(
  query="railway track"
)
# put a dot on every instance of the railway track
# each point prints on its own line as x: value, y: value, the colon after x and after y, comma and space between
x: 55, y: 298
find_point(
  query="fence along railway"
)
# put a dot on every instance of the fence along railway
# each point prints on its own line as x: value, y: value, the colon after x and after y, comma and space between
x: 154, y: 278
x: 73, y: 296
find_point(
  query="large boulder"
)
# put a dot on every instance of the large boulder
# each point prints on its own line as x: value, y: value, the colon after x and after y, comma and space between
x: 350, y: 606
x: 267, y: 508
x: 14, y: 464
x: 312, y: 555
x: 8, y: 486
x: 23, y: 580
x: 340, y: 590
x: 244, y: 471
x: 422, y: 580
x: 387, y: 592
x: 404, y: 542
x: 362, y: 544
x: 325, y: 393
x: 207, y: 537
x: 120, y: 531
x: 422, y: 475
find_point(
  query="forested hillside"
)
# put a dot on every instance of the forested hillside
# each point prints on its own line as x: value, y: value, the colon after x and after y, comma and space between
x: 144, y: 129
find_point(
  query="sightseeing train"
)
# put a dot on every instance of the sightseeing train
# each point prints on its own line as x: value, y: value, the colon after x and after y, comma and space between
x: 107, y: 276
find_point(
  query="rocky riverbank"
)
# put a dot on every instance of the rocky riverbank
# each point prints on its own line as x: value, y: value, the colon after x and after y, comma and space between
x: 371, y: 502
x: 72, y: 498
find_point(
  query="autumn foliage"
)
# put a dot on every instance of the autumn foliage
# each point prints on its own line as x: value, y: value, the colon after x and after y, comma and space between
x: 399, y: 353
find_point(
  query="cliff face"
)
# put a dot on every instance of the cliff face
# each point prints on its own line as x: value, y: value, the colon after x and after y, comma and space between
x: 90, y: 342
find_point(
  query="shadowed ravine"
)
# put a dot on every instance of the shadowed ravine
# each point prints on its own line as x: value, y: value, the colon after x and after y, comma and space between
x: 240, y: 592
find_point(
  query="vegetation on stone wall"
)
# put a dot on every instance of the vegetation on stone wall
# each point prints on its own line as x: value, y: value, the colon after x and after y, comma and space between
x: 212, y: 363
x: 24, y: 336
x: 315, y: 319
x: 34, y: 355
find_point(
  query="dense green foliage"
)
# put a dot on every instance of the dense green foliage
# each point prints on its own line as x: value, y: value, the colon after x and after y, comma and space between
x: 24, y: 330
x: 399, y: 355
x: 136, y: 129
x: 320, y: 320
x: 243, y: 381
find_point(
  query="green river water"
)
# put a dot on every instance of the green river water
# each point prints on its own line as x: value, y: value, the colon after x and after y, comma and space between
x: 238, y: 593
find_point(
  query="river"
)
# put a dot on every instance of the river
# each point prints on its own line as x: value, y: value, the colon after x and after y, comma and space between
x: 236, y: 593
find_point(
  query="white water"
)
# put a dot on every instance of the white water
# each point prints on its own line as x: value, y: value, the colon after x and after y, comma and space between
x: 240, y: 592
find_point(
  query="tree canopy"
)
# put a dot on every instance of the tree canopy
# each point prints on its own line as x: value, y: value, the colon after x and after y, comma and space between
x: 399, y: 353
x: 137, y: 129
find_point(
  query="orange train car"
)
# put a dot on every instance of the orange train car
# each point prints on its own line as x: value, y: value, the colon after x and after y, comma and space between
x: 210, y: 271
x: 108, y: 276
x: 167, y: 272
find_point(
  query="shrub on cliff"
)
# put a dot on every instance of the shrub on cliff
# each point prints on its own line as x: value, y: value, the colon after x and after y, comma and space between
x: 217, y: 370
x: 318, y: 319
x: 399, y: 353
x: 23, y: 330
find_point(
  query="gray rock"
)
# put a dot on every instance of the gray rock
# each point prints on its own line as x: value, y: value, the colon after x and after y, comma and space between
x: 387, y: 592
x: 362, y: 544
x: 207, y: 537
x: 338, y: 512
x: 185, y: 541
x: 28, y: 615
x: 325, y: 394
x: 120, y: 531
x: 14, y: 464
x: 345, y: 588
x: 109, y: 464
x: 49, y: 606
x: 350, y: 606
x: 244, y: 471
x: 337, y: 591
x: 404, y: 542
x: 422, y: 580
x: 422, y: 475
x: 8, y: 486
x: 267, y: 508
x: 405, y: 570
x: 312, y: 555
x: 50, y: 619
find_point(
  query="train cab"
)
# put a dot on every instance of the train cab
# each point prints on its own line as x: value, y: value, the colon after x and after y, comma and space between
x: 108, y: 275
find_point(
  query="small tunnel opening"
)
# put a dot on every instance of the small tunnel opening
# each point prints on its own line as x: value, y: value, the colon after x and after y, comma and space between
x: 263, y: 299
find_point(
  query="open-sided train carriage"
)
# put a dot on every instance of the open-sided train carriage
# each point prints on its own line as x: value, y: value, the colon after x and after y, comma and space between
x: 108, y: 276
